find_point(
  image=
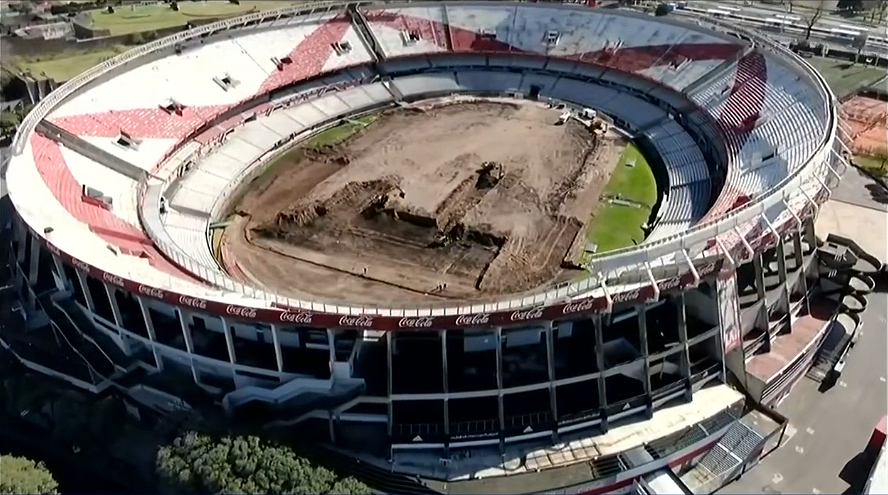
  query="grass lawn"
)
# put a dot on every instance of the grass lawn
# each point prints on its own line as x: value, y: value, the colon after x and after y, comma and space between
x: 64, y: 66
x: 329, y: 137
x: 614, y: 226
x: 845, y: 77
x: 139, y: 18
x: 871, y: 165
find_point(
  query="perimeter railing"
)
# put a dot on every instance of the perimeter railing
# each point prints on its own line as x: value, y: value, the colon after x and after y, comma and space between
x: 611, y: 262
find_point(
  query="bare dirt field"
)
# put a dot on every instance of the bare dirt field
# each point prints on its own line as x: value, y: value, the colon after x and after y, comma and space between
x: 455, y: 201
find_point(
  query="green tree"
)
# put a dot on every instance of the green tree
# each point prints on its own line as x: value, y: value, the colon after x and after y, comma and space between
x: 24, y: 476
x: 199, y: 463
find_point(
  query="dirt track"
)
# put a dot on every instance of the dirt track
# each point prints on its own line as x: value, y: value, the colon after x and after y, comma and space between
x: 458, y: 201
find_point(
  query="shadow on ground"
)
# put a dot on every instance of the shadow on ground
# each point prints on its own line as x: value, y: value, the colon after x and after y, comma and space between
x: 856, y: 471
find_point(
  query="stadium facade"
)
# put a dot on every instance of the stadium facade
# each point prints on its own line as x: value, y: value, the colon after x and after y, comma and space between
x: 117, y: 296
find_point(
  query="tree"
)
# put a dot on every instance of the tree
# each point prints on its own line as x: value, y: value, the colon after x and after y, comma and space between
x: 812, y: 19
x: 199, y: 463
x: 24, y: 476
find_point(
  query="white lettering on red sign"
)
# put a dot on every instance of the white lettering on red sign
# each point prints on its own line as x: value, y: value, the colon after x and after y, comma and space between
x: 298, y: 318
x: 530, y: 314
x: 472, y: 320
x: 622, y: 297
x: 113, y: 279
x: 80, y: 265
x: 361, y: 321
x: 418, y: 322
x: 151, y: 291
x: 240, y: 311
x: 670, y: 283
x: 707, y: 269
x: 193, y: 302
x: 579, y: 306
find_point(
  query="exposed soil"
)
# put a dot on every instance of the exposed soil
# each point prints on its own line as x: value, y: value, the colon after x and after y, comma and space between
x: 448, y: 201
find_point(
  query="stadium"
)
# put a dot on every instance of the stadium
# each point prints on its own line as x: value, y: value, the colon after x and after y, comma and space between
x: 443, y: 231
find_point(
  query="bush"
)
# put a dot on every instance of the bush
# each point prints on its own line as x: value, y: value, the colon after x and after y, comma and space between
x: 20, y: 475
x: 199, y: 463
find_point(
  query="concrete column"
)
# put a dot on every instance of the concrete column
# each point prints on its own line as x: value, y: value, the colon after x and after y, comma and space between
x: 809, y: 234
x: 115, y: 309
x: 499, y: 385
x: 683, y: 339
x: 781, y: 261
x: 278, y: 354
x: 81, y: 279
x: 797, y: 249
x: 61, y: 273
x: 442, y: 334
x: 388, y: 380
x: 331, y: 344
x: 229, y: 345
x: 643, y: 344
x: 599, y: 361
x: 149, y: 326
x: 189, y: 344
x: 759, y: 275
x: 550, y: 364
x: 33, y: 262
x: 24, y: 239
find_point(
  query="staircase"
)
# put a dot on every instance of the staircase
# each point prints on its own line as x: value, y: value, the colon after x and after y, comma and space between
x: 364, y: 32
x: 731, y: 451
x: 88, y: 329
x: 70, y: 333
x: 716, y: 72
x: 90, y: 150
x: 835, y: 346
x: 298, y: 396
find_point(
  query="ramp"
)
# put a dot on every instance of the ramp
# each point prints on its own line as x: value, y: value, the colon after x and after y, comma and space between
x: 91, y: 151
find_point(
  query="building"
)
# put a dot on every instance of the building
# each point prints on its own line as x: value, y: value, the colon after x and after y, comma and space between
x: 120, y: 288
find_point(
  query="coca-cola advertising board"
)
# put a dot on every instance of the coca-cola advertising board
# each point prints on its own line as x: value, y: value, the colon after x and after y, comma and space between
x: 281, y: 315
x: 729, y: 309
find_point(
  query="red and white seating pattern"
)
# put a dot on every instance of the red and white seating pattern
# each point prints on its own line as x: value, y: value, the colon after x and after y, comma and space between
x: 674, y: 55
x: 759, y: 104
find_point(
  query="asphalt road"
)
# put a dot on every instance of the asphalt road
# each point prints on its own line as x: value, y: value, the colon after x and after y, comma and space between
x: 859, y: 189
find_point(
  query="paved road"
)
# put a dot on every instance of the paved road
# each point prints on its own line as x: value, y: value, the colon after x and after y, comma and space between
x: 859, y: 189
x: 830, y: 429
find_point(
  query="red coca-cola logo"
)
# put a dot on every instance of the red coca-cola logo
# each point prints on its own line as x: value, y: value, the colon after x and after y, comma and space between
x: 298, y: 318
x: 580, y: 306
x: 526, y: 315
x: 151, y: 291
x: 113, y: 279
x: 622, y: 297
x: 416, y: 322
x: 360, y: 321
x: 80, y: 265
x: 192, y: 302
x: 472, y: 320
x: 240, y: 311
